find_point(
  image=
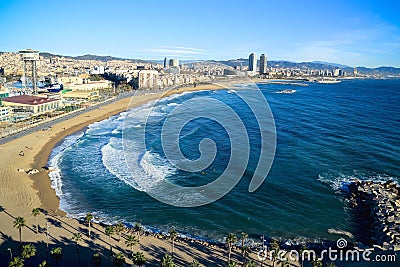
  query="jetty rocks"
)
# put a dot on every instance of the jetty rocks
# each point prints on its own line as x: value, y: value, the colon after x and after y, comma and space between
x: 377, y: 213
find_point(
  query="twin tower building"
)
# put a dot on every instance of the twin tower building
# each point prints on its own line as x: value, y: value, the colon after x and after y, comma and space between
x: 253, y: 63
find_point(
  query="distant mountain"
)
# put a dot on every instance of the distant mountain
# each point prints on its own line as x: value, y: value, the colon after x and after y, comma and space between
x: 332, y: 64
x: 92, y: 57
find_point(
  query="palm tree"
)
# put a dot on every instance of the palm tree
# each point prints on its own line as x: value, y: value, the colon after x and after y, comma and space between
x: 331, y: 264
x: 317, y: 263
x: 118, y: 228
x: 119, y: 259
x: 43, y: 264
x: 139, y: 259
x: 77, y: 237
x: 16, y: 262
x: 56, y: 254
x: 96, y: 259
x: 194, y: 263
x: 230, y: 239
x: 131, y: 241
x: 109, y: 232
x: 36, y: 212
x: 301, y: 258
x: 274, y: 251
x: 88, y: 219
x: 167, y: 261
x: 243, y: 238
x: 19, y: 223
x: 138, y: 228
x: 28, y: 251
x: 250, y: 263
x: 173, y: 234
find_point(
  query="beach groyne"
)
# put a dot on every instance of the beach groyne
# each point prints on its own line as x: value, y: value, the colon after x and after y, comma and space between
x: 376, y: 207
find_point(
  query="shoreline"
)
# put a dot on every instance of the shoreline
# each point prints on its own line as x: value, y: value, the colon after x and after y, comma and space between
x: 41, y: 181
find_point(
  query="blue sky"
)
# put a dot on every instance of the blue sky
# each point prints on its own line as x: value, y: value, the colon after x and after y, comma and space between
x: 355, y: 33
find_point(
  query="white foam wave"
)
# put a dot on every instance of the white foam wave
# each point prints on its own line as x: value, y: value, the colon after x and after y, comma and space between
x: 149, y: 170
x: 339, y: 181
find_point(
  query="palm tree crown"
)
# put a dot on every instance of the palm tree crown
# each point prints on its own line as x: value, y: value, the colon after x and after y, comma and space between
x: 16, y: 262
x: 139, y: 259
x: 28, y: 251
x: 167, y: 261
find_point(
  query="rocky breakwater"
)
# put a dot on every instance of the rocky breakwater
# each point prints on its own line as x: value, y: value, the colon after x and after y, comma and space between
x: 376, y: 207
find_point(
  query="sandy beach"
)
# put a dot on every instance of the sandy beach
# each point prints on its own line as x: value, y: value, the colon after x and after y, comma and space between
x: 20, y: 193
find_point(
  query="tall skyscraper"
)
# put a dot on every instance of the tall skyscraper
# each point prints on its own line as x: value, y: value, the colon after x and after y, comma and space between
x: 252, y: 62
x: 174, y: 62
x: 166, y: 65
x: 263, y: 64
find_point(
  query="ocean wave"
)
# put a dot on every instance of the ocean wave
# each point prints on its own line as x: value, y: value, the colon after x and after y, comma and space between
x: 339, y: 181
x: 148, y: 171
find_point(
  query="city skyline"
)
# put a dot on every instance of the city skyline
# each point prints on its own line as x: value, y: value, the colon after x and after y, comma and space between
x: 356, y: 33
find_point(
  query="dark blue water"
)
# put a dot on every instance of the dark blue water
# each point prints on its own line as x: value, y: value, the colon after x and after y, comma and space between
x: 326, y: 134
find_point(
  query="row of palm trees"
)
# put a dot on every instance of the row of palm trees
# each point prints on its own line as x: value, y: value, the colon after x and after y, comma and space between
x: 138, y: 258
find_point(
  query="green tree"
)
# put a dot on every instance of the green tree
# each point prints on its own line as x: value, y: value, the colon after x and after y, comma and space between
x: 119, y: 259
x: 139, y: 259
x: 194, y: 263
x: 167, y: 261
x: 274, y: 246
x: 173, y: 234
x: 118, y: 228
x: 250, y: 263
x: 243, y: 238
x: 317, y: 263
x: 19, y: 223
x: 16, y: 262
x: 88, y: 219
x: 77, y: 237
x: 232, y: 264
x: 56, y: 254
x: 330, y: 264
x: 28, y: 251
x: 96, y: 259
x: 138, y: 228
x: 231, y: 238
x: 131, y: 241
x: 109, y: 232
x: 35, y: 213
x: 43, y: 264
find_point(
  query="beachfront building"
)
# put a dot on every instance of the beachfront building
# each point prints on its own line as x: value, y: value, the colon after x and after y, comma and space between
x: 32, y: 105
x: 89, y: 85
x: 148, y: 79
x: 263, y: 64
x: 5, y: 113
x: 79, y: 97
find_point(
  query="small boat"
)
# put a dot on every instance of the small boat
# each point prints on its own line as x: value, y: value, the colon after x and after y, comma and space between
x: 287, y: 91
x: 55, y: 88
x: 328, y: 81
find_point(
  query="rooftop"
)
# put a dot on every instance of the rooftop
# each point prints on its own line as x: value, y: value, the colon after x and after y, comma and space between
x: 28, y: 100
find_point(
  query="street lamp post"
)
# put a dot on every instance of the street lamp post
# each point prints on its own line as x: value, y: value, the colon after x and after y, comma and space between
x: 47, y: 241
x: 9, y: 249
